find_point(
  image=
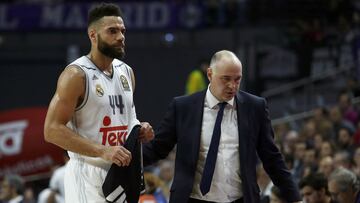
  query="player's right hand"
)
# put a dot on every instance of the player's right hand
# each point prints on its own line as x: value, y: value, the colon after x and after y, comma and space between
x: 118, y: 155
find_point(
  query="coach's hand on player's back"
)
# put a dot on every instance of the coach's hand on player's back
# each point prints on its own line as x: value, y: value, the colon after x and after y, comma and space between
x: 118, y: 155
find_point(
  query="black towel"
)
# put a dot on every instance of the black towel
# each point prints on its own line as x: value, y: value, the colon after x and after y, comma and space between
x: 126, y: 183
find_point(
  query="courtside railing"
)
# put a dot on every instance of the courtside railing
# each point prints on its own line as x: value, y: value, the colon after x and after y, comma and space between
x: 298, y: 98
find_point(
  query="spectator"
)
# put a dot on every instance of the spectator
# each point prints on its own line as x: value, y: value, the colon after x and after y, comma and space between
x: 327, y: 149
x: 55, y: 192
x: 44, y: 195
x: 310, y: 161
x: 356, y: 137
x: 318, y: 140
x: 326, y: 166
x: 300, y: 148
x: 167, y: 172
x: 290, y: 140
x: 56, y: 184
x: 12, y: 189
x: 342, y: 159
x: 289, y: 161
x: 314, y: 189
x: 346, y: 108
x: 281, y: 131
x: 345, y: 141
x: 197, y: 80
x: 155, y: 189
x: 308, y: 133
x: 356, y: 160
x: 344, y: 186
x: 338, y: 121
x: 264, y: 183
x: 322, y: 122
x: 353, y: 86
x: 29, y: 196
x: 276, y: 196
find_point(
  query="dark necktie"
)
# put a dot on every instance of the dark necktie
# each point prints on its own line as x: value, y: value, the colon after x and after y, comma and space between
x: 212, y: 153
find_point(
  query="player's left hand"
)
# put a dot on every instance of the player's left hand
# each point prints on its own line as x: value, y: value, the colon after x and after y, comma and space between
x: 146, y: 132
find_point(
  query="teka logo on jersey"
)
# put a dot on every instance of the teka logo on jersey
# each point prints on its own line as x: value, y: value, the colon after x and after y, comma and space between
x: 113, y: 135
x: 11, y: 137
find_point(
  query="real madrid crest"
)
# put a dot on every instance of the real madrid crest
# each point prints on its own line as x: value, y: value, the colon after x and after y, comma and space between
x: 124, y: 83
x: 99, y: 90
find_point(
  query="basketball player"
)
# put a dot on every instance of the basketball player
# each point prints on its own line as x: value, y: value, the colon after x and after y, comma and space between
x: 92, y: 111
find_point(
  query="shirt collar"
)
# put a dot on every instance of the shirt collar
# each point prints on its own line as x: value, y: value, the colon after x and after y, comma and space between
x: 213, y: 101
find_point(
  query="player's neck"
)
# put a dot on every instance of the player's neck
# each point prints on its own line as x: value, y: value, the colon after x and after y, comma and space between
x: 101, y: 61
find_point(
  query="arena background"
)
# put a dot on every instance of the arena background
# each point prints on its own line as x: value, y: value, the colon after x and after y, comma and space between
x: 299, y: 54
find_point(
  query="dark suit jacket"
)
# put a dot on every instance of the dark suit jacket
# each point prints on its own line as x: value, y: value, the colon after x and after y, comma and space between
x: 182, y: 126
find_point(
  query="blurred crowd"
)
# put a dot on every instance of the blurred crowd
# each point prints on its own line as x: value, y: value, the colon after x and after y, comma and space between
x: 324, y: 143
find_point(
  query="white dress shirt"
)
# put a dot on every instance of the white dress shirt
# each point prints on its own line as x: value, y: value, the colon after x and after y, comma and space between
x: 226, y: 182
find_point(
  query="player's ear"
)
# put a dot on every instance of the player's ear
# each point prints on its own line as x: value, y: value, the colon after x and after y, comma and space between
x: 92, y: 35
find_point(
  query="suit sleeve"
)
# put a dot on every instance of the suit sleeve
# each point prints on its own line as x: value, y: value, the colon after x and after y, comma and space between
x: 272, y: 159
x: 165, y: 138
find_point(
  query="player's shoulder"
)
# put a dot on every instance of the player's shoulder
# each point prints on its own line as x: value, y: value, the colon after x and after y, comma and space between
x: 117, y: 63
x: 122, y: 66
x: 84, y: 63
x: 74, y: 71
x: 80, y: 67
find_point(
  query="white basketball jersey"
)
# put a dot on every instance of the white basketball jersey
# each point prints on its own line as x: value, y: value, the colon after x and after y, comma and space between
x: 107, y: 113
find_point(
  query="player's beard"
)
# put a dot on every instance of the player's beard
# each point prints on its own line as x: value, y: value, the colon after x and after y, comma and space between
x: 110, y: 51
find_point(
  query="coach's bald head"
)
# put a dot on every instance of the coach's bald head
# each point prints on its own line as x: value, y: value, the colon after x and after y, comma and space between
x: 222, y: 58
x: 224, y: 74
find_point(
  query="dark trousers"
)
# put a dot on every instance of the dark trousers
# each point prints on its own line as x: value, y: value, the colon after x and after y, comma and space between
x: 191, y: 200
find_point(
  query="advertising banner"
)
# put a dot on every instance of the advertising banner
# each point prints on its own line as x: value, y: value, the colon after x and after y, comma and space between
x: 137, y: 15
x: 23, y: 149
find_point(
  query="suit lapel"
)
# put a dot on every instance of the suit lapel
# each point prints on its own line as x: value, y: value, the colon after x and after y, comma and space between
x: 243, y: 125
x: 197, y: 110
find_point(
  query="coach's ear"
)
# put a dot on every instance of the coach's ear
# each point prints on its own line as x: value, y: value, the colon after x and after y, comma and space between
x: 209, y: 73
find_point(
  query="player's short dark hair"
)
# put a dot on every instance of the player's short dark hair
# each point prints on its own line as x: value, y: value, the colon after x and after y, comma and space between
x: 101, y: 10
x: 315, y: 180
